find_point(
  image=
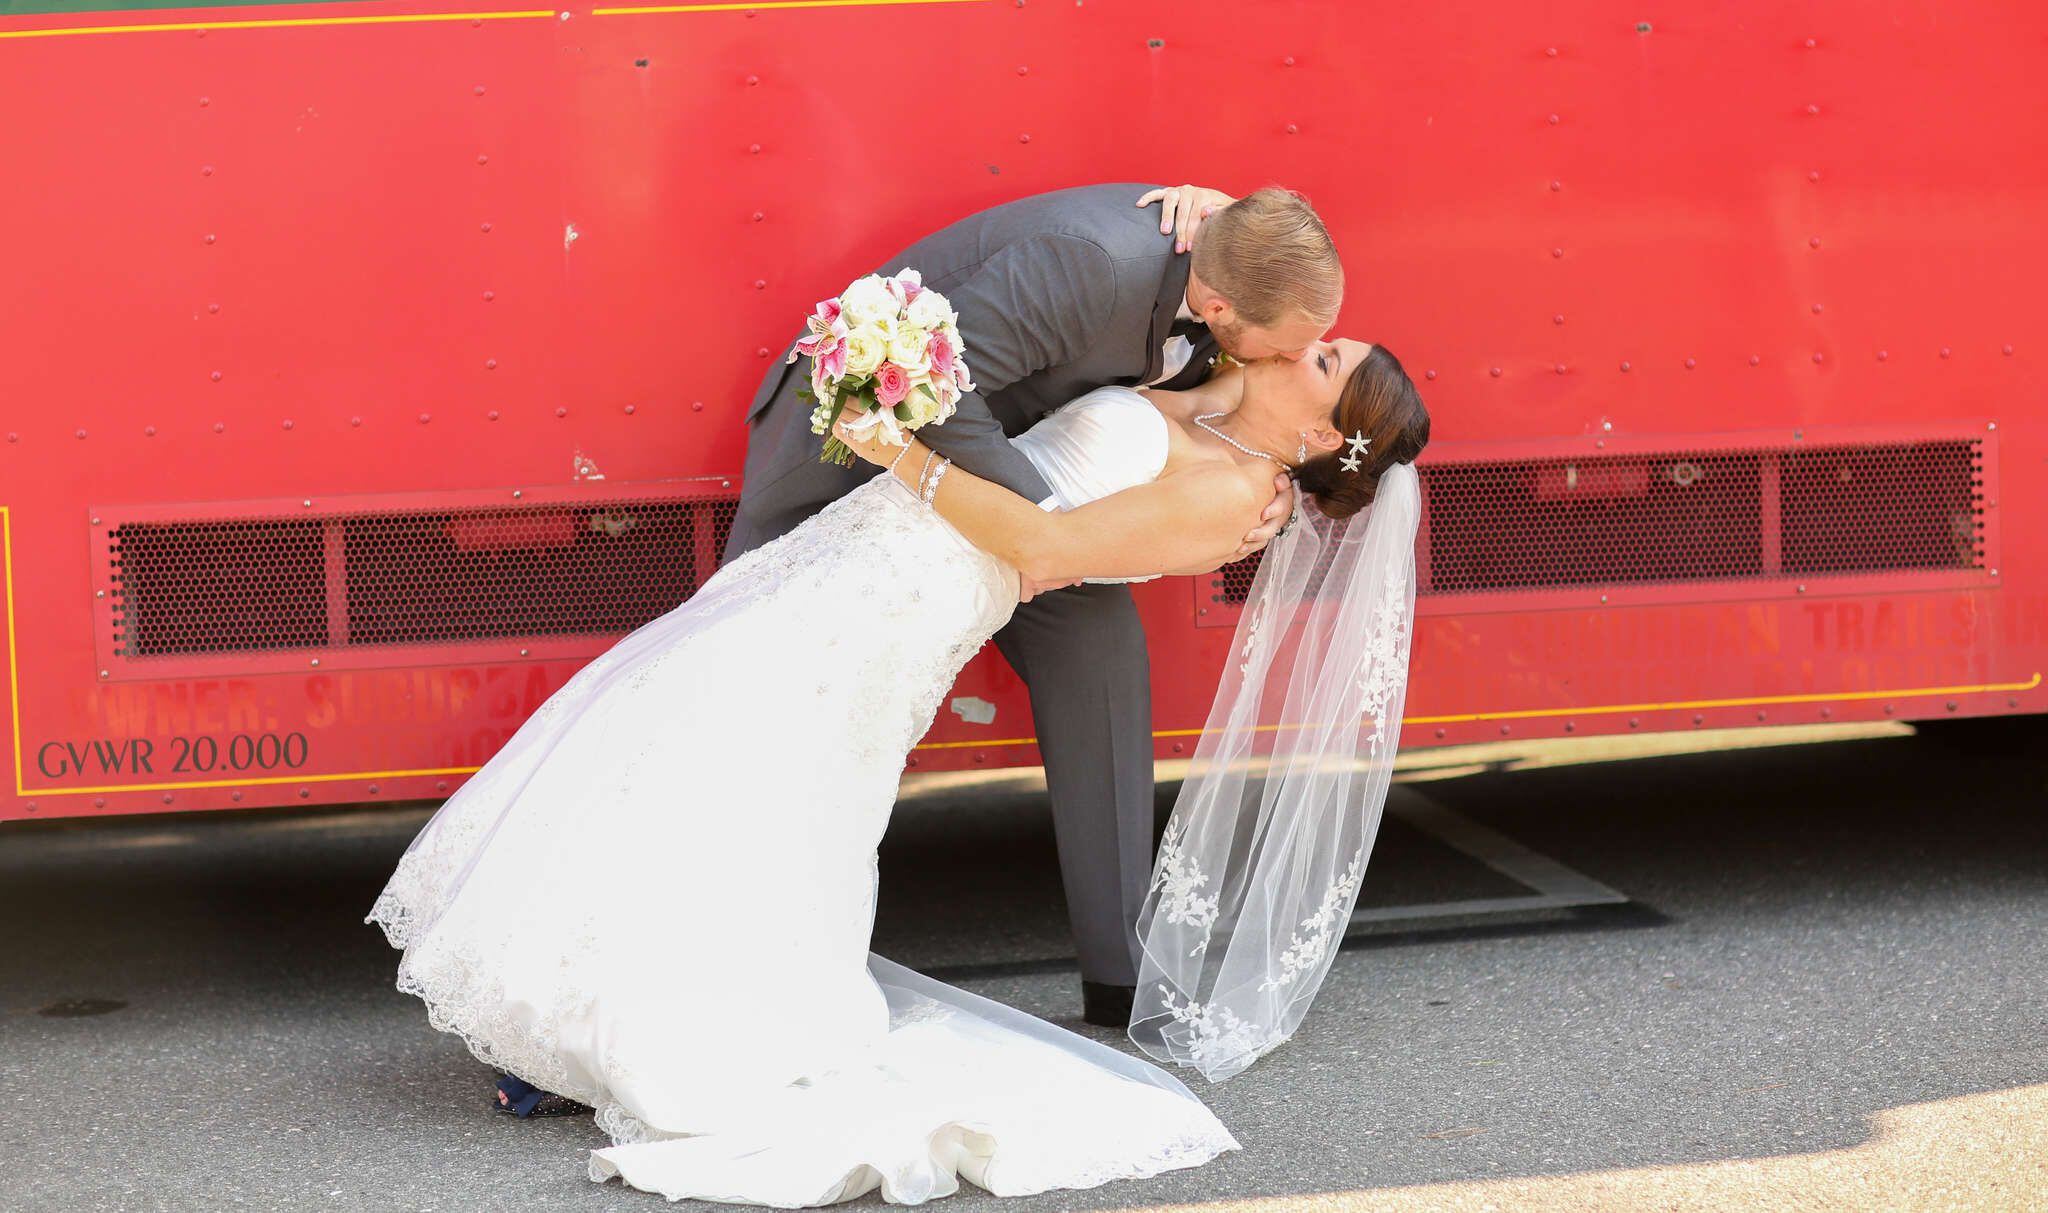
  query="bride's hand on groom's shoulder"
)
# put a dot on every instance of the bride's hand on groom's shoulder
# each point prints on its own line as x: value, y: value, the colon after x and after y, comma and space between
x: 1182, y: 208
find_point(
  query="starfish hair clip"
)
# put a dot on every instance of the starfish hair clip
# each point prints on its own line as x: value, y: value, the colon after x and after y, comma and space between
x: 1359, y: 442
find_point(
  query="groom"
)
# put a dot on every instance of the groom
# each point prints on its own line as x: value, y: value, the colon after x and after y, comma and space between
x: 1059, y: 294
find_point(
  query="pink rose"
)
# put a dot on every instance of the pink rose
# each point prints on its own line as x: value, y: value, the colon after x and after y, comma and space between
x: 941, y: 351
x: 891, y: 384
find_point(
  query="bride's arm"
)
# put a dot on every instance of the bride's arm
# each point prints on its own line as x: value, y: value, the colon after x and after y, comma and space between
x: 1183, y: 520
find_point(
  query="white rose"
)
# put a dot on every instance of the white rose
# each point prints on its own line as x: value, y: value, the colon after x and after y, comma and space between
x: 930, y: 310
x: 864, y: 352
x: 868, y: 301
x: 908, y: 348
x: 923, y: 409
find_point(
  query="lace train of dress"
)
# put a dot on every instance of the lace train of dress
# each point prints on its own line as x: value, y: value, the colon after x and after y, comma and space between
x: 657, y: 898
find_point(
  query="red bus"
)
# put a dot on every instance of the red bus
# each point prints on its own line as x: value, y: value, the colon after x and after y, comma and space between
x: 370, y: 366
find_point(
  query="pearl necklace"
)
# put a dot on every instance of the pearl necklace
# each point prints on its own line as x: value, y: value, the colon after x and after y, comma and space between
x: 1204, y: 420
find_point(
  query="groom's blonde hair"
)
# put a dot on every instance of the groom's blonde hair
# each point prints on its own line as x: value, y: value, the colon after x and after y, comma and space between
x: 1269, y: 254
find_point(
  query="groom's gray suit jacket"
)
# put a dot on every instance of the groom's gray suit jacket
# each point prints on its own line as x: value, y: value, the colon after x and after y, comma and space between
x: 1058, y: 294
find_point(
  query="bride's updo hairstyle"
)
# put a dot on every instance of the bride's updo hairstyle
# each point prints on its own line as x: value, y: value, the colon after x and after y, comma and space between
x: 1380, y: 401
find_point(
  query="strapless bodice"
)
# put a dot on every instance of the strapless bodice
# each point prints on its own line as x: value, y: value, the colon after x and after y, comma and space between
x: 1106, y: 441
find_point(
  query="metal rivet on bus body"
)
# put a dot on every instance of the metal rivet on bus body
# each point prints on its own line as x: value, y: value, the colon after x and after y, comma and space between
x: 1293, y: 129
x: 754, y: 149
x: 725, y: 484
x: 1624, y: 365
x: 760, y: 284
x: 485, y: 227
x: 1569, y: 727
x: 1813, y: 242
x: 1633, y: 722
x: 216, y: 376
x: 518, y: 493
x: 1754, y: 360
x: 1557, y: 252
x: 1603, y: 599
x: 490, y: 364
x: 2012, y: 703
x: 1698, y: 719
x: 206, y: 170
x: 1809, y: 44
x: 1609, y: 425
x: 1819, y: 357
x: 99, y: 593
x: 561, y: 411
x: 1429, y: 374
x: 1689, y: 364
x: 1155, y: 43
x: 2008, y: 350
x: 1553, y: 120
x: 287, y: 423
x: 981, y: 758
x: 205, y: 101
x: 1816, y: 309
x: 209, y: 237
x: 1556, y: 186
x: 1991, y: 425
x: 1550, y: 51
x: 491, y: 416
x: 696, y: 406
x: 526, y: 652
x: 479, y: 90
x: 13, y: 437
x: 752, y: 81
x: 1023, y: 70
x: 490, y: 295
x: 213, y: 308
x: 1890, y: 710
x: 1827, y: 713
x: 373, y: 789
x: 1798, y: 434
x: 1944, y: 351
x: 1180, y: 747
x: 1883, y: 354
x: 99, y: 802
x: 1439, y: 733
x: 1802, y: 588
x: 1813, y: 109
x: 1760, y: 714
x: 630, y: 410
x: 425, y: 418
x: 104, y: 674
x: 1495, y: 372
x: 1287, y: 62
x: 440, y: 785
x: 1503, y: 730
x: 305, y: 792
x: 1994, y: 572
x: 1560, y: 368
x: 316, y: 661
x: 760, y: 215
x: 1951, y: 705
x: 79, y: 434
x: 912, y: 762
x: 762, y: 352
x: 1557, y: 319
x: 483, y: 159
x: 167, y: 798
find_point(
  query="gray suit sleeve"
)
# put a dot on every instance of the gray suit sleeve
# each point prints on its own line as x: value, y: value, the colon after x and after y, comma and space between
x: 1034, y: 304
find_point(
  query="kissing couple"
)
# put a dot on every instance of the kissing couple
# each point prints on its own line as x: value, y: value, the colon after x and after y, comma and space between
x: 657, y: 898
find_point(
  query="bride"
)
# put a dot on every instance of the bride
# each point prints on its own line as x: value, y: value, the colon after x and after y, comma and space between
x: 657, y: 897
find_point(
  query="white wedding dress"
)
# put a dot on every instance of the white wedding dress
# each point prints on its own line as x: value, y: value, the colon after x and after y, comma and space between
x: 657, y: 898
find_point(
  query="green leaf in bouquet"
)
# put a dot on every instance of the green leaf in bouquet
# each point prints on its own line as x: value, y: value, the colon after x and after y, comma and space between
x: 903, y: 413
x: 926, y: 388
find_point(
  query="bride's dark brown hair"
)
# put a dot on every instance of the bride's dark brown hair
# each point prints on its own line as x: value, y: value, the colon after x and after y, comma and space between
x: 1379, y: 401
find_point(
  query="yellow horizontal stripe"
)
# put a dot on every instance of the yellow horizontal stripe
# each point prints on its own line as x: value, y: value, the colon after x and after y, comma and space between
x: 1596, y: 710
x: 272, y: 23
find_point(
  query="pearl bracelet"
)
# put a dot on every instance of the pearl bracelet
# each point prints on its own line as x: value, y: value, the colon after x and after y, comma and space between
x: 938, y: 474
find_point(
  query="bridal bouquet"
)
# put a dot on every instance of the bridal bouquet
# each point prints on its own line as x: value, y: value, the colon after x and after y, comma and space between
x: 892, y: 347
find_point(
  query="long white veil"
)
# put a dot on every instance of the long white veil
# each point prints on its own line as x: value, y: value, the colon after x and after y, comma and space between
x: 1263, y: 856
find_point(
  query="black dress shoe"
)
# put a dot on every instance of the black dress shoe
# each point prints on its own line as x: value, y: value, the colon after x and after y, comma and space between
x: 1105, y: 1005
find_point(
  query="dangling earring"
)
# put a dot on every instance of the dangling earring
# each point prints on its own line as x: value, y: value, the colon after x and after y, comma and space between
x: 1301, y: 453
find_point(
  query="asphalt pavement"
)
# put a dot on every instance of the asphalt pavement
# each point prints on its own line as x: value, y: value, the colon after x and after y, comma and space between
x: 1824, y: 991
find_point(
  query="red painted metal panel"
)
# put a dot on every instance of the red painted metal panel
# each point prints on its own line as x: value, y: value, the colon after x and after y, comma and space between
x: 308, y: 259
